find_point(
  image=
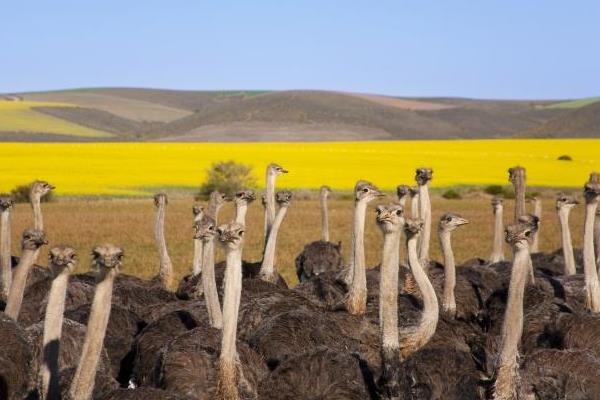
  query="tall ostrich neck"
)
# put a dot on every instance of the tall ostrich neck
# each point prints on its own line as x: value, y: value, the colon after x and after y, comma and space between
x: 270, y: 203
x: 324, y: 218
x: 5, y: 259
x: 17, y: 288
x: 38, y: 221
x: 589, y: 263
x: 357, y: 298
x: 228, y: 364
x: 537, y: 211
x: 498, y: 245
x: 197, y: 259
x: 414, y: 206
x: 567, y: 244
x: 449, y: 301
x: 166, y: 266
x: 425, y: 215
x: 241, y: 208
x: 49, y: 373
x: 267, y: 269
x: 209, y: 285
x: 388, y: 291
x: 402, y: 201
x: 507, y: 375
x: 519, y: 186
x: 418, y: 336
x: 597, y: 239
x: 82, y: 386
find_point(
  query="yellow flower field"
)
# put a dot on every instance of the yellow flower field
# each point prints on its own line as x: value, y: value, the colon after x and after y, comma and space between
x: 16, y: 116
x: 136, y: 168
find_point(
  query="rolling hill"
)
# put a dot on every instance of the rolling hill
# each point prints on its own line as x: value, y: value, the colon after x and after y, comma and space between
x: 129, y: 114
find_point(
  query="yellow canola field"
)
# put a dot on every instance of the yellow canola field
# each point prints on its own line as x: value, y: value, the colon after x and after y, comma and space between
x: 139, y: 168
x: 18, y: 116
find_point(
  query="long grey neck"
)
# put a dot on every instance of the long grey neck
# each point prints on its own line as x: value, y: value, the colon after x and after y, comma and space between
x: 448, y: 301
x: 425, y: 215
x: 197, y: 258
x: 270, y: 203
x: 590, y: 272
x: 38, y: 220
x: 17, y: 288
x: 357, y: 296
x: 5, y: 258
x: 267, y: 269
x: 537, y: 211
x: 388, y: 316
x: 241, y: 209
x: 507, y: 369
x: 166, y: 266
x: 324, y: 218
x: 414, y: 206
x: 417, y: 337
x: 597, y: 239
x: 49, y: 368
x: 228, y: 364
x: 82, y: 386
x: 213, y: 210
x: 498, y: 244
x: 567, y: 243
x: 520, y: 189
x: 209, y: 285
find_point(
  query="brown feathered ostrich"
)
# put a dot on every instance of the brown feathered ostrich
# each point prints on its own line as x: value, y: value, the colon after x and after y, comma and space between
x: 273, y: 171
x: 198, y: 213
x: 403, y: 193
x: 591, y: 193
x: 205, y: 231
x: 38, y: 190
x: 15, y: 360
x: 324, y: 192
x: 537, y: 211
x: 267, y: 269
x: 423, y: 176
x: 165, y: 274
x: 6, y: 204
x: 242, y: 199
x: 595, y: 178
x: 498, y: 241
x: 517, y: 176
x: 31, y: 242
x: 106, y: 260
x: 564, y: 205
x: 414, y: 202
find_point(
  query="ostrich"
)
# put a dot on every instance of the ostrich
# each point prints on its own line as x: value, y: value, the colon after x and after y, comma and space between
x: 198, y: 213
x: 267, y: 270
x: 498, y: 243
x: 273, y: 171
x: 31, y: 241
x: 356, y: 300
x: 517, y: 176
x: 243, y: 199
x: 15, y: 360
x: 166, y: 266
x: 403, y: 192
x: 6, y: 204
x: 592, y: 196
x: 38, y: 190
x: 414, y: 202
x: 323, y: 195
x: 205, y: 231
x: 564, y: 204
x: 62, y: 263
x: 216, y: 201
x: 537, y: 211
x: 423, y: 176
x: 107, y: 260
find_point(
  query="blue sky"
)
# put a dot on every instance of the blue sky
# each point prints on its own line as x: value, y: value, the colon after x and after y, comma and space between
x: 490, y: 49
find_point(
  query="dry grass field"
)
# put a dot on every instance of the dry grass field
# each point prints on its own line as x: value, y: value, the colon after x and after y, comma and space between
x: 129, y: 223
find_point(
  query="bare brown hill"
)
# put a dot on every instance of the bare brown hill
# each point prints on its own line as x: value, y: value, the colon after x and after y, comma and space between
x: 579, y: 122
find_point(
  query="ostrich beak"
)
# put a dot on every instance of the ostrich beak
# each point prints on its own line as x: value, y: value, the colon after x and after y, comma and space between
x: 462, y: 221
x: 284, y: 171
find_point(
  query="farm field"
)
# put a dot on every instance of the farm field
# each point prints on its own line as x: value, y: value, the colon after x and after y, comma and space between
x: 137, y: 169
x: 20, y: 116
x: 130, y: 224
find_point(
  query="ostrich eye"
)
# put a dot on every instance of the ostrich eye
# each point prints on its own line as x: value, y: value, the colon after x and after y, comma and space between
x: 241, y: 233
x: 398, y: 212
x: 365, y: 190
x: 448, y: 219
x: 527, y: 233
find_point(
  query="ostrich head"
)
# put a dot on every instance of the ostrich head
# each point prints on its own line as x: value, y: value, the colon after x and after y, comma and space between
x: 231, y: 236
x: 197, y: 210
x: 33, y: 239
x: 423, y: 175
x: 519, y: 235
x: 532, y: 220
x: 205, y: 228
x: 402, y: 191
x: 414, y: 190
x: 263, y: 199
x: 160, y: 199
x: 413, y: 227
x: 107, y: 256
x: 325, y: 190
x: 276, y: 169
x: 390, y: 218
x: 591, y: 192
x: 564, y: 201
x: 449, y: 222
x: 6, y: 203
x: 366, y: 192
x: 218, y: 198
x: 61, y: 258
x: 244, y: 196
x: 40, y: 189
x: 497, y: 202
x: 283, y: 198
x: 516, y: 173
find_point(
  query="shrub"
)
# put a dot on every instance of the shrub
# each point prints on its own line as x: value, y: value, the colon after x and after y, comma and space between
x: 451, y: 194
x: 494, y: 190
x: 227, y: 177
x: 20, y: 194
x: 565, y: 157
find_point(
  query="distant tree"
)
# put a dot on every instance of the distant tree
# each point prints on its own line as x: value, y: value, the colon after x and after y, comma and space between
x: 227, y: 177
x: 20, y: 194
x: 565, y: 157
x: 451, y: 194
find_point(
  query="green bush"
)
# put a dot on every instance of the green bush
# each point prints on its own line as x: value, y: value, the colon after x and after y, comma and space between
x: 565, y: 157
x: 451, y: 194
x: 227, y: 177
x: 494, y: 190
x: 20, y: 194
